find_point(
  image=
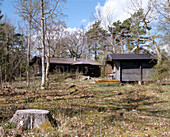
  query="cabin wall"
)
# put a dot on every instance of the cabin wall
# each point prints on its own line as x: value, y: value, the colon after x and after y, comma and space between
x: 130, y: 71
x: 134, y: 70
x: 90, y: 70
x: 147, y: 71
x: 117, y: 70
x: 36, y: 68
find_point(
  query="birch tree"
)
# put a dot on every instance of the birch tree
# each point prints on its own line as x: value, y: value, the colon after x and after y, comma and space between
x: 49, y: 9
x: 27, y: 10
x: 36, y: 15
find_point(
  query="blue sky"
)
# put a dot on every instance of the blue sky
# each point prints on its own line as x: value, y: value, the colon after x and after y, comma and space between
x: 79, y: 12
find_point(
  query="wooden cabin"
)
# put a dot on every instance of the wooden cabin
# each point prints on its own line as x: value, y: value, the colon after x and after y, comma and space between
x: 130, y: 67
x: 60, y: 65
x: 36, y: 65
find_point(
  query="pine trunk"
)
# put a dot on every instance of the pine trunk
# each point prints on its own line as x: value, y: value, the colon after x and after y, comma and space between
x: 137, y: 49
x: 159, y: 56
x: 95, y: 52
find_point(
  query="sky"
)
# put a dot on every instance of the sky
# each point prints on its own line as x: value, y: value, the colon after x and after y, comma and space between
x: 81, y: 12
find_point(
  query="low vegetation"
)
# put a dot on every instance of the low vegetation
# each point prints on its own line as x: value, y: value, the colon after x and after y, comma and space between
x: 83, y: 108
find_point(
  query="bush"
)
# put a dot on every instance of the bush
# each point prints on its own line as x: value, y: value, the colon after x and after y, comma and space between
x: 162, y: 73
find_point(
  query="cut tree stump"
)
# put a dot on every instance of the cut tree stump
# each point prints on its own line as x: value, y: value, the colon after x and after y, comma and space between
x: 31, y: 118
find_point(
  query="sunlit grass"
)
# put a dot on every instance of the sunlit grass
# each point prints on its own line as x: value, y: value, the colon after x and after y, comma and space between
x: 82, y: 108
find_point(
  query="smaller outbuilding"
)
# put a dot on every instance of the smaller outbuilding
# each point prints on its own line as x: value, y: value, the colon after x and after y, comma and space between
x: 131, y: 67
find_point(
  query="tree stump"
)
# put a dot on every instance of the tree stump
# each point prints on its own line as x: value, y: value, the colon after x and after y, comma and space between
x: 31, y: 118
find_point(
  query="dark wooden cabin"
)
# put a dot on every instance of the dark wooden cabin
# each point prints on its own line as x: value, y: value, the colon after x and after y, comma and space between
x: 36, y: 65
x: 85, y: 66
x: 130, y: 67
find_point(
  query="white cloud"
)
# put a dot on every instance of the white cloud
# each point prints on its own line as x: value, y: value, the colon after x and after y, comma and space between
x: 72, y: 30
x: 114, y: 10
x: 83, y: 20
x: 89, y: 25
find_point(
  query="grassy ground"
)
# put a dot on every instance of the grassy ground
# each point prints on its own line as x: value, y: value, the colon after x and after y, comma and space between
x: 83, y: 108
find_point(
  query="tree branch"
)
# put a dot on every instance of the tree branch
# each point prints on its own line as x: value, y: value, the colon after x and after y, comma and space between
x: 53, y: 9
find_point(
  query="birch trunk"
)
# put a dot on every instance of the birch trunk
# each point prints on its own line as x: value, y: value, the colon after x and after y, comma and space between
x: 29, y: 45
x: 47, y: 70
x: 47, y: 56
x: 43, y: 46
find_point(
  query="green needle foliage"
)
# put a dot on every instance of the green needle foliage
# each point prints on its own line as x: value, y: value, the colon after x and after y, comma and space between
x: 12, y: 52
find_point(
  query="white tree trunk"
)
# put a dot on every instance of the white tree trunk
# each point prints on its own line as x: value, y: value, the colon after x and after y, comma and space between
x: 47, y: 70
x: 43, y: 46
x: 31, y: 118
x: 29, y: 45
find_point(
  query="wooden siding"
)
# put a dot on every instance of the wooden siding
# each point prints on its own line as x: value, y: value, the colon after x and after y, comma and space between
x: 132, y: 67
x: 131, y: 75
x: 130, y: 71
x: 117, y: 73
x: 136, y: 70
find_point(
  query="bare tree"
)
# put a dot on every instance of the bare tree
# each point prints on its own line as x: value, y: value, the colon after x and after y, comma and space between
x: 30, y: 12
x: 43, y: 45
x: 27, y: 10
x: 163, y: 12
x: 29, y: 44
x: 147, y: 17
x: 49, y: 13
x: 55, y: 33
x: 76, y: 42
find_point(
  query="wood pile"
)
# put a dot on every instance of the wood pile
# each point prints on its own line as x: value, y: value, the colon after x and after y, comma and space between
x: 107, y: 81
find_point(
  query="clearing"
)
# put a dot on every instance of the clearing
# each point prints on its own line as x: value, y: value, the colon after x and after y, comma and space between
x: 84, y: 108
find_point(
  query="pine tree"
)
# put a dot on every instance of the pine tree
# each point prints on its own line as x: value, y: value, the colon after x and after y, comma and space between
x: 12, y: 52
x: 95, y: 37
x: 137, y: 34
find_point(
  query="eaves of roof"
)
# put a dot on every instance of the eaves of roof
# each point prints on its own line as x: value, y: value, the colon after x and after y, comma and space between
x: 131, y: 57
x: 70, y: 61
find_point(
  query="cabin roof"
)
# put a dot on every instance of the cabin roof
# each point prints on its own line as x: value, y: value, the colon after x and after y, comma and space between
x: 130, y: 57
x: 68, y: 61
x: 71, y: 61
